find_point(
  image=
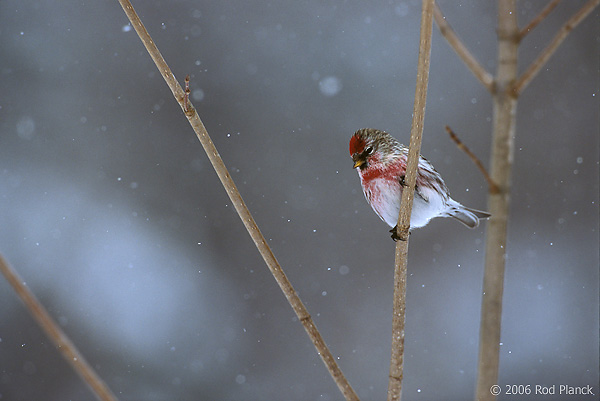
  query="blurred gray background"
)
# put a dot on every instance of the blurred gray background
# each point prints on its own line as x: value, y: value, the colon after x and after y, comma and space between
x: 112, y: 214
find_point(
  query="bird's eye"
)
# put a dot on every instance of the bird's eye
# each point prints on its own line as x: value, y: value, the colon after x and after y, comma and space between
x: 369, y: 150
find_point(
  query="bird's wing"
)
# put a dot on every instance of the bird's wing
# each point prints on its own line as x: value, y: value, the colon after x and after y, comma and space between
x: 421, y: 194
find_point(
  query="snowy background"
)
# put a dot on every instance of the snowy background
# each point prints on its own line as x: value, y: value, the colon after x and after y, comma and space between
x: 112, y: 214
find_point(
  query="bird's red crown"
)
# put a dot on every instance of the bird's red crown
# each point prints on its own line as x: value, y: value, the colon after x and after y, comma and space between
x: 357, y: 144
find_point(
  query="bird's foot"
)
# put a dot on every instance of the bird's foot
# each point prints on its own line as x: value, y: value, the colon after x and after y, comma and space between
x: 403, y: 181
x: 395, y: 235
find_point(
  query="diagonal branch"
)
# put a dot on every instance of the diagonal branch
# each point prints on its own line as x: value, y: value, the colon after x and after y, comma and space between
x: 240, y: 207
x: 403, y: 226
x: 57, y: 336
x: 493, y: 187
x: 539, y: 18
x: 535, y: 67
x: 461, y: 50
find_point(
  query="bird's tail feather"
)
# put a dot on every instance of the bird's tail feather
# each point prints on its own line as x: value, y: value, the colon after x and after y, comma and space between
x: 469, y: 217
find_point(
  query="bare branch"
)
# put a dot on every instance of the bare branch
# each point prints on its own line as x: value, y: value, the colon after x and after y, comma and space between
x: 491, y: 184
x: 560, y: 36
x: 240, y: 207
x: 403, y: 226
x: 461, y: 50
x: 56, y: 335
x: 504, y: 126
x: 539, y: 18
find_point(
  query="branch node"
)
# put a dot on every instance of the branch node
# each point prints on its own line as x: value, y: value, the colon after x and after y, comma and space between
x: 400, y: 233
x: 305, y: 318
x: 188, y: 109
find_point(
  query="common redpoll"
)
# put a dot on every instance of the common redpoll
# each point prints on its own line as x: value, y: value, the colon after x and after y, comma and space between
x: 381, y: 164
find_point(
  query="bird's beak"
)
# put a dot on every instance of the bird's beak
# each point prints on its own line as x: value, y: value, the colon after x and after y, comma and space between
x: 358, y: 163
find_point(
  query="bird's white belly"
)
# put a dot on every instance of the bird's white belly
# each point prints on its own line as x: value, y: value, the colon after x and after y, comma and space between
x: 384, y: 197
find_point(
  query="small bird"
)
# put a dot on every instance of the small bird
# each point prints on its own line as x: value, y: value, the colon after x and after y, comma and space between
x: 381, y: 164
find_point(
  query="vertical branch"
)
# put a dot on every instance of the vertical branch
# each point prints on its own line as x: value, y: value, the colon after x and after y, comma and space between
x: 56, y: 335
x: 402, y: 229
x: 505, y: 107
x: 507, y: 88
x: 240, y: 206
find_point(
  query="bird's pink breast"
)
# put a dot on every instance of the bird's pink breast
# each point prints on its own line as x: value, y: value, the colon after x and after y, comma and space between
x: 384, y: 197
x: 383, y: 191
x: 392, y: 171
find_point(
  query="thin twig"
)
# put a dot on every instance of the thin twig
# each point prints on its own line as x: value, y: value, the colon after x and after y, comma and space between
x: 461, y: 50
x: 539, y: 18
x: 259, y: 240
x: 402, y: 228
x: 56, y: 335
x: 560, y: 36
x: 493, y: 188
